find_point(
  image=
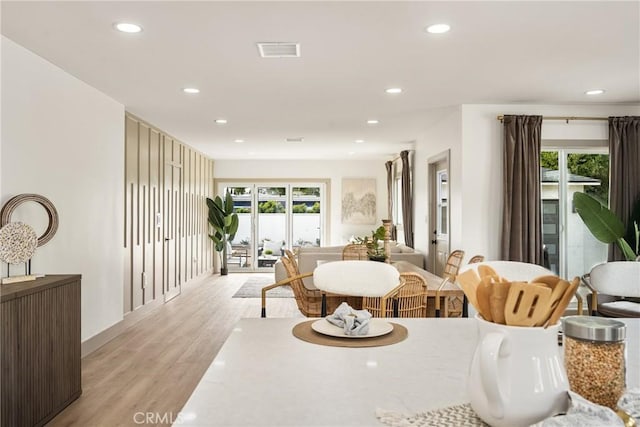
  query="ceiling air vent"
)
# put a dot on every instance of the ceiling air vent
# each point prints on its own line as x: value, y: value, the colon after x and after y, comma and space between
x: 279, y: 50
x: 295, y: 140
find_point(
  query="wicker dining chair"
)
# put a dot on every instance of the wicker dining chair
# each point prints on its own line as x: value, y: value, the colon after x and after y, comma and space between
x: 354, y: 251
x: 309, y: 301
x: 476, y: 258
x: 293, y: 260
x: 453, y: 265
x: 410, y: 297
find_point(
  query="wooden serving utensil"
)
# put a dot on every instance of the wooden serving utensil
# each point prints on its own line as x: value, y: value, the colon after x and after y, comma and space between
x: 563, y: 303
x: 557, y: 292
x: 497, y: 300
x: 469, y: 281
x: 483, y: 294
x: 549, y: 280
x: 526, y: 304
x: 487, y: 271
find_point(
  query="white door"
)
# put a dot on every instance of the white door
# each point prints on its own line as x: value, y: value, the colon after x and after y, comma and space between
x: 439, y: 216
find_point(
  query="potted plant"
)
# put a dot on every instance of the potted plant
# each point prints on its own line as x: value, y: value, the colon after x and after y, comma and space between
x: 224, y: 222
x: 606, y: 227
x: 374, y: 250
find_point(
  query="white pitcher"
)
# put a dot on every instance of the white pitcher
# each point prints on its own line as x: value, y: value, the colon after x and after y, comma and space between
x: 517, y: 377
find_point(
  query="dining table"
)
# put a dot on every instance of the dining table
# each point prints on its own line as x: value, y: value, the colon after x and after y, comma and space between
x: 265, y: 376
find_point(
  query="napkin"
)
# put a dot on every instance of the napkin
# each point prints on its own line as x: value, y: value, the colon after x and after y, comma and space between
x: 583, y: 413
x: 354, y: 322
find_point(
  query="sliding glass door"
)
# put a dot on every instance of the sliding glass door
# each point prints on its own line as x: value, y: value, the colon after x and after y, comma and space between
x: 273, y: 217
x: 570, y: 248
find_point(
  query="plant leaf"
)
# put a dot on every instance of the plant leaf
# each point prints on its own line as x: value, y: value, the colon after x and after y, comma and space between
x: 602, y: 223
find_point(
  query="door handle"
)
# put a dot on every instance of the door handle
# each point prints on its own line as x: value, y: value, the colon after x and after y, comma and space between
x: 434, y: 242
x: 166, y: 239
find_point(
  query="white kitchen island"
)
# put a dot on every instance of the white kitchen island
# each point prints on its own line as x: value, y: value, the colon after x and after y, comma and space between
x: 264, y: 376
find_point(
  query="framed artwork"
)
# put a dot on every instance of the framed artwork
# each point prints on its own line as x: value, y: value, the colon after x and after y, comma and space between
x: 359, y: 201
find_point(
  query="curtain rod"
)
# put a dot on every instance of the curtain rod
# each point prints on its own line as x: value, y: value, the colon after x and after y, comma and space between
x: 565, y: 118
x: 398, y: 156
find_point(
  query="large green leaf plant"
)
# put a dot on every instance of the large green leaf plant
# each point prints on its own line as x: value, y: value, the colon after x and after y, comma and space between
x: 224, y: 222
x: 605, y: 226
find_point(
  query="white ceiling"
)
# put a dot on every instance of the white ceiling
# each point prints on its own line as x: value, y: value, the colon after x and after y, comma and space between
x: 540, y: 52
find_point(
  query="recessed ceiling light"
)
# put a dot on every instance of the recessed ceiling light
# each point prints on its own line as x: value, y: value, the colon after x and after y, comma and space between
x: 393, y: 90
x: 252, y: 153
x: 595, y: 92
x: 295, y: 140
x: 438, y: 28
x: 191, y: 90
x: 373, y: 122
x: 359, y: 141
x: 239, y: 141
x: 221, y: 121
x: 126, y: 27
x: 351, y: 153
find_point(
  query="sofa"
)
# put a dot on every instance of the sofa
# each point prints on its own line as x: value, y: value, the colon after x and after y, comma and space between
x: 309, y: 256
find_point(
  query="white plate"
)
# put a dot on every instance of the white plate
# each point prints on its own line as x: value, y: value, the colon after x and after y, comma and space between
x: 377, y: 327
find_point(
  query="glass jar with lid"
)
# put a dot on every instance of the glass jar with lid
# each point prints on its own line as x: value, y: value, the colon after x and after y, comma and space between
x: 594, y: 358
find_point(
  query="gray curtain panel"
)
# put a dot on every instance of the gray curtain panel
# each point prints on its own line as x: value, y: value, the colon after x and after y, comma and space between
x: 624, y: 171
x: 521, y: 217
x: 389, y: 166
x: 407, y: 199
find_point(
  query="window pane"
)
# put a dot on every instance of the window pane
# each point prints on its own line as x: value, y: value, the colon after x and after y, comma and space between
x: 306, y: 216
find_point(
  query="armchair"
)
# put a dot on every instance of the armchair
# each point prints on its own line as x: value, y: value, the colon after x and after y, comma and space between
x: 615, y: 289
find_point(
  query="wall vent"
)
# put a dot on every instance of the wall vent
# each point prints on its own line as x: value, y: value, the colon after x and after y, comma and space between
x: 279, y: 50
x: 295, y: 140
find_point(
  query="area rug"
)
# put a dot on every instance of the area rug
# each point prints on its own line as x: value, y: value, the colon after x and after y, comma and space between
x: 252, y: 288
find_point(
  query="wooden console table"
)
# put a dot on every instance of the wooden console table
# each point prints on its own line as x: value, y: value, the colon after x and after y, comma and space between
x: 40, y: 340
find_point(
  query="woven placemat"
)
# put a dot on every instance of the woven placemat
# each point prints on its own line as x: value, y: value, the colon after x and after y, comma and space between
x: 452, y: 416
x: 304, y: 332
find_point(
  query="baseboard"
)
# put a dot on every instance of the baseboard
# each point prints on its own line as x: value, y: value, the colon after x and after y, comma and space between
x: 98, y: 340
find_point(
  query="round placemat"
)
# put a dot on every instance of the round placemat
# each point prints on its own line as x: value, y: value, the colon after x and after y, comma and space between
x: 304, y: 332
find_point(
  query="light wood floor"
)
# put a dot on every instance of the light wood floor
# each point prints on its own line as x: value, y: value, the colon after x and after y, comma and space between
x: 155, y: 365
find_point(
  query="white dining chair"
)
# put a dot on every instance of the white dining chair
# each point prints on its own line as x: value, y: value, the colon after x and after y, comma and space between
x: 620, y: 280
x: 357, y: 278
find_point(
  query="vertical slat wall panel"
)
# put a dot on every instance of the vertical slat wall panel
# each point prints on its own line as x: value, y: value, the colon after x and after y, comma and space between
x: 166, y: 177
x: 131, y: 175
x: 146, y: 293
x: 40, y: 336
x: 154, y: 279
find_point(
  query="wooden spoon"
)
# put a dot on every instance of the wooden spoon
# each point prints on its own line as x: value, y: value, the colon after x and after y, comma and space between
x: 486, y: 271
x: 527, y: 304
x: 497, y: 299
x: 557, y: 292
x: 549, y: 280
x: 469, y: 281
x: 563, y: 303
x: 483, y: 294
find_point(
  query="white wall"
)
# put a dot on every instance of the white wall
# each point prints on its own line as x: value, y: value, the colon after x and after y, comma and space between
x: 334, y: 170
x: 64, y: 140
x: 442, y: 133
x: 482, y: 139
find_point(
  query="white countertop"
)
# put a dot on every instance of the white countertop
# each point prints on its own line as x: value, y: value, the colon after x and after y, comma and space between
x: 264, y: 376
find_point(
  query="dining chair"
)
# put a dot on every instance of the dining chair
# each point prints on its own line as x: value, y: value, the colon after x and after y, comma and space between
x: 615, y: 289
x: 453, y: 264
x: 476, y: 258
x: 293, y: 260
x: 309, y: 301
x: 408, y: 300
x: 354, y: 251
